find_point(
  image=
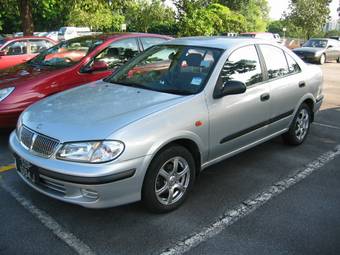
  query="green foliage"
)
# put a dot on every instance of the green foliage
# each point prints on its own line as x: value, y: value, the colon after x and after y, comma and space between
x: 96, y: 14
x: 332, y: 33
x: 256, y: 14
x: 211, y: 20
x: 309, y: 15
x: 291, y: 30
x: 142, y: 15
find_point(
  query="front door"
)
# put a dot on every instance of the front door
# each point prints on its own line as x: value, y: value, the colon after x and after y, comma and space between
x: 239, y: 120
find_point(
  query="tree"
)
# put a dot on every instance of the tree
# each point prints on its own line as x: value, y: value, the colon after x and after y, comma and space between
x: 256, y: 14
x: 142, y: 15
x: 96, y: 14
x: 25, y: 8
x: 309, y: 15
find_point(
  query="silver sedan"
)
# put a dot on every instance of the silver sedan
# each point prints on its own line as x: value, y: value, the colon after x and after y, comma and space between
x: 147, y: 131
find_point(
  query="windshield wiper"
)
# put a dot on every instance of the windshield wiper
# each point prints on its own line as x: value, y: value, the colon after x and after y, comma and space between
x: 135, y: 85
x: 177, y: 92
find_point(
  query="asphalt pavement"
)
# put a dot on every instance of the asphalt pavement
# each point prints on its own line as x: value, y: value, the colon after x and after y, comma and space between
x: 300, y: 219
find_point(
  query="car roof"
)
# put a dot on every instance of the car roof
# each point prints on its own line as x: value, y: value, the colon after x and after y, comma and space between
x: 219, y: 42
x: 8, y: 39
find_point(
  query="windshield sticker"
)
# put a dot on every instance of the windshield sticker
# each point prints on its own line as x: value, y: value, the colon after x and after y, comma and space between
x: 196, y: 81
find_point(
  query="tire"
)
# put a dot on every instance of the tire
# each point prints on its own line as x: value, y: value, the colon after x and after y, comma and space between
x: 338, y: 60
x: 173, y: 186
x: 300, y: 126
x: 322, y: 59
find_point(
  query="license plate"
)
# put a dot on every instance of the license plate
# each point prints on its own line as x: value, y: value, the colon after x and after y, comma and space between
x: 28, y: 170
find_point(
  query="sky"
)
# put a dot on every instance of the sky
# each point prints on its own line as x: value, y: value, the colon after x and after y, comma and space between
x: 279, y: 6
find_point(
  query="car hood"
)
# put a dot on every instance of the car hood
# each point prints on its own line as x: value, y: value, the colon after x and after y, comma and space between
x: 308, y: 49
x: 21, y: 74
x: 94, y: 111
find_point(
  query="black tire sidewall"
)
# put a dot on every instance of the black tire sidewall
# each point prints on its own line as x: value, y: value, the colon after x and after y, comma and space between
x: 149, y: 197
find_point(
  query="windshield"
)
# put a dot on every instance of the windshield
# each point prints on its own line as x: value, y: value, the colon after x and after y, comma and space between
x: 67, y: 53
x: 180, y: 70
x: 316, y: 43
x: 2, y: 42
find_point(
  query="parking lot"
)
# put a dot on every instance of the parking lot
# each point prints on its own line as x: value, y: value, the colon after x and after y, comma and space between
x: 272, y: 199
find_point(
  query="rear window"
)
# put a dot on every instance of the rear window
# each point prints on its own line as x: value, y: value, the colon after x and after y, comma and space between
x: 275, y: 61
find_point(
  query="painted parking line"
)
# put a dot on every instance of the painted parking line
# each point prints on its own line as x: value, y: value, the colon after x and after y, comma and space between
x: 63, y: 234
x: 6, y: 168
x: 249, y: 205
x: 327, y: 126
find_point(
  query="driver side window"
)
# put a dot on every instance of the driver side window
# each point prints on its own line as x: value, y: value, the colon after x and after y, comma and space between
x: 118, y: 53
x: 16, y: 48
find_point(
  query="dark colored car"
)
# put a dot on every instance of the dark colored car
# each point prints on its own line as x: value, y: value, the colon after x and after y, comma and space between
x: 319, y: 50
x: 68, y: 64
x: 17, y: 50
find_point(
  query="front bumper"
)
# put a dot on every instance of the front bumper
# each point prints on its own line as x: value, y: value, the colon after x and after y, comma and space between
x: 89, y: 185
x: 309, y: 58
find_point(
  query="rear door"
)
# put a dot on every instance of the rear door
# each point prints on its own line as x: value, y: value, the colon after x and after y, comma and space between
x: 239, y: 120
x: 15, y: 53
x: 286, y: 85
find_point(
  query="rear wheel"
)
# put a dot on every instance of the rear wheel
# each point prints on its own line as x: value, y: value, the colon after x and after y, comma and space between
x: 169, y: 179
x: 300, y: 126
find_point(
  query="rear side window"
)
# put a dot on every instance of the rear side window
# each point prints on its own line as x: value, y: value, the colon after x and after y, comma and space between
x: 37, y: 46
x: 118, y: 53
x: 151, y: 41
x: 293, y: 67
x: 275, y: 61
x: 243, y: 65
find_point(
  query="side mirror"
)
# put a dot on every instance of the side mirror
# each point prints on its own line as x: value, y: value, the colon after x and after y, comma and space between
x: 230, y: 88
x: 2, y: 53
x: 97, y: 66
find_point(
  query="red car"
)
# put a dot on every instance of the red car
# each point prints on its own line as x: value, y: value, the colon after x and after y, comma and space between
x: 66, y: 65
x: 14, y: 51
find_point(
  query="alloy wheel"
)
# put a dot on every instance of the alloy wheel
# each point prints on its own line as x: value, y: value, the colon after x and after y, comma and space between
x: 172, y: 180
x: 302, y: 124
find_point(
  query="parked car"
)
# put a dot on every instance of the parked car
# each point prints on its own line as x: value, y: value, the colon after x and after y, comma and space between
x: 66, y: 65
x: 67, y: 33
x: 53, y: 35
x: 17, y: 50
x: 319, y: 50
x: 147, y: 135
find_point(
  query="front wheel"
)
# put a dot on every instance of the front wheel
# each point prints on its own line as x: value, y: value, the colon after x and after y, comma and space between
x: 169, y: 179
x: 322, y: 59
x: 300, y: 126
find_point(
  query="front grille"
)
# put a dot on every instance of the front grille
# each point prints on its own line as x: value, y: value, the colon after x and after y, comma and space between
x: 26, y: 137
x: 38, y: 143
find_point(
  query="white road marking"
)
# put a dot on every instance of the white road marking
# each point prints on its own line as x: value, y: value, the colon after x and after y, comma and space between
x: 250, y: 205
x: 70, y: 239
x: 325, y: 125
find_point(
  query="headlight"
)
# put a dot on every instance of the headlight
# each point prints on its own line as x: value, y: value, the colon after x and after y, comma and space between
x: 318, y: 53
x: 5, y: 92
x: 91, y: 152
x: 19, y: 125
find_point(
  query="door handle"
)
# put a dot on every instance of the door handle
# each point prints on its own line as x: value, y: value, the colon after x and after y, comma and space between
x: 302, y: 84
x: 265, y: 97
